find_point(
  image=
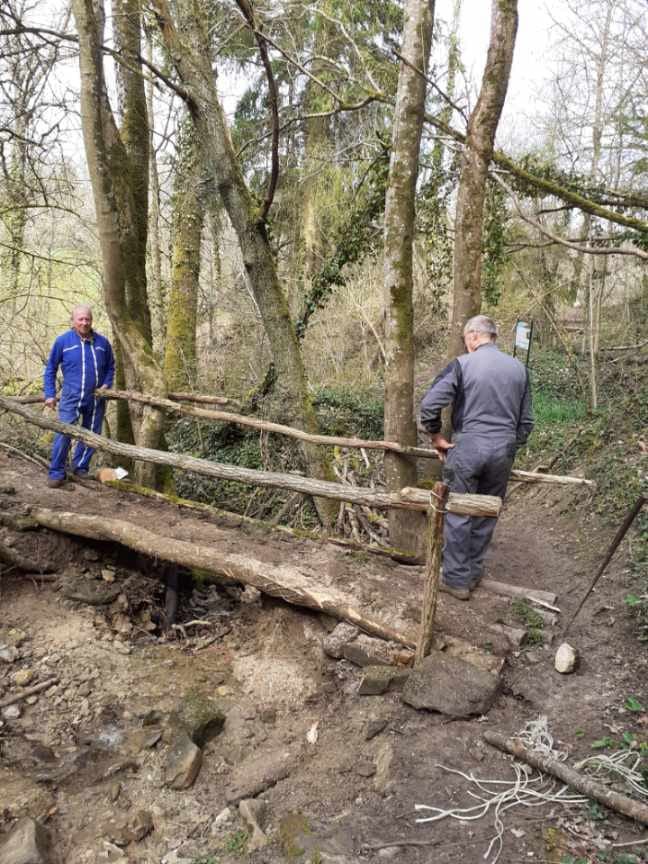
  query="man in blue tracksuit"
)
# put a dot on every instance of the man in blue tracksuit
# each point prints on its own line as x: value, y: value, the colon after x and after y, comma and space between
x: 87, y: 362
x: 491, y: 418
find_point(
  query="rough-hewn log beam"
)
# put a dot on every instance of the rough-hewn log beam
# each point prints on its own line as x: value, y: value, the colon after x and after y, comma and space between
x: 276, y: 580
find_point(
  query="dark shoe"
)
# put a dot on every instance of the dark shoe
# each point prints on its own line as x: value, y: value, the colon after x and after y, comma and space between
x: 458, y: 593
x: 55, y: 482
x: 80, y: 473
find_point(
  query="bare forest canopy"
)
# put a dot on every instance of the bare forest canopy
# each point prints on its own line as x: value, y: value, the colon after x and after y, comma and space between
x: 281, y: 200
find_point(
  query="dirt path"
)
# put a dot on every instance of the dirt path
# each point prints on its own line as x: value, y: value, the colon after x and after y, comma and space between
x: 339, y: 773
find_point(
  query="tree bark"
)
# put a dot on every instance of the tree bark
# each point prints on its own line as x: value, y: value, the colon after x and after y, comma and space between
x: 398, y: 241
x: 477, y: 154
x: 118, y: 169
x: 180, y: 362
x: 190, y: 56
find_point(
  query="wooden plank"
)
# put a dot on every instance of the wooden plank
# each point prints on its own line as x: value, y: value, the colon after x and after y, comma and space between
x: 517, y: 591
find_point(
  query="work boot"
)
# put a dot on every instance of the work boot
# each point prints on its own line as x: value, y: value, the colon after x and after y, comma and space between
x: 458, y: 593
x: 55, y: 482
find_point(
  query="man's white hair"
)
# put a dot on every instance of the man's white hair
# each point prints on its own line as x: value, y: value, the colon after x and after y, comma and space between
x: 82, y: 307
x: 481, y: 324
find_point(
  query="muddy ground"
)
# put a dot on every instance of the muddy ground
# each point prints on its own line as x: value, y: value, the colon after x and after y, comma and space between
x: 338, y: 774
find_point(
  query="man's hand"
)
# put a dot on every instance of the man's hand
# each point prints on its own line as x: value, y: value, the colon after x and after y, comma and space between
x: 50, y: 403
x: 441, y: 446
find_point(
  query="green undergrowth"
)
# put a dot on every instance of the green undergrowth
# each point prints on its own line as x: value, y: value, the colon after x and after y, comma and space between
x: 341, y: 412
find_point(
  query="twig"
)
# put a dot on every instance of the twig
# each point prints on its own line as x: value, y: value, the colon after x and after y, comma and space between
x: 37, y: 460
x: 30, y: 691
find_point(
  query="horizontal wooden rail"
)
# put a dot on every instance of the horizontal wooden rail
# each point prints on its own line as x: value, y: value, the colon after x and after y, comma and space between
x: 266, y: 425
x: 470, y: 505
x: 330, y: 440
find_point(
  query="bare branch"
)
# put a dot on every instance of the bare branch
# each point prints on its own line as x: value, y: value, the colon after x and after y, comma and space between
x: 589, y: 250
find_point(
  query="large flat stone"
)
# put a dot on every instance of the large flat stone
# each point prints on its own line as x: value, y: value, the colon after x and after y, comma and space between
x: 28, y: 843
x: 451, y: 686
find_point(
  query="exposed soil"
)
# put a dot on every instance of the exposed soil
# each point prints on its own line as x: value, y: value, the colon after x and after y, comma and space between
x: 337, y: 782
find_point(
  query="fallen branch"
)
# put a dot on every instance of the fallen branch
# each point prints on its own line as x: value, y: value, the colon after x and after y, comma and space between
x: 585, y: 785
x: 30, y: 691
x: 282, y: 581
x: 14, y: 559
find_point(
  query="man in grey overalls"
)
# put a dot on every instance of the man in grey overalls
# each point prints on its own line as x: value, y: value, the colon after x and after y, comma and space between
x: 491, y: 418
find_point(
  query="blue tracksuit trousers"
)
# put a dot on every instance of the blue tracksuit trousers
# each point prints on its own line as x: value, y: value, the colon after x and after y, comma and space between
x: 91, y: 413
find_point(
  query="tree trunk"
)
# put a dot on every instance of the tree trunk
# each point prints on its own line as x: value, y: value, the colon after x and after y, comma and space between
x: 118, y: 169
x: 188, y: 217
x: 477, y: 154
x: 190, y: 57
x: 157, y: 292
x: 406, y: 533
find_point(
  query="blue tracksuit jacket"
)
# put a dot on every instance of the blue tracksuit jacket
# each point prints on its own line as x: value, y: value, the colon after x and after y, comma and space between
x: 86, y: 364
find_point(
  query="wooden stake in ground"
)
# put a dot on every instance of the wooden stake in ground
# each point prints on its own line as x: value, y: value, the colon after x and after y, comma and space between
x: 627, y: 522
x: 622, y: 804
x: 432, y: 569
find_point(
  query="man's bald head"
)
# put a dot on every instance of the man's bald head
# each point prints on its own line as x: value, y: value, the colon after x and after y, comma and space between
x: 82, y: 320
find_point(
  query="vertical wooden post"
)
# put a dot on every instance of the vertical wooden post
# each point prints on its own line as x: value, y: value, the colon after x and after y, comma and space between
x: 434, y: 547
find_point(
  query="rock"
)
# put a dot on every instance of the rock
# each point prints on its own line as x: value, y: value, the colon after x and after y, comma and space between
x: 374, y: 727
x: 108, y: 574
x: 6, y: 489
x: 22, y: 677
x: 377, y: 679
x: 201, y: 716
x: 565, y: 660
x: 253, y: 778
x: 8, y: 654
x: 28, y: 843
x: 389, y: 853
x: 221, y: 819
x: 15, y: 637
x: 184, y: 760
x: 337, y: 639
x: 129, y: 829
x: 252, y: 811
x: 90, y: 554
x: 451, y: 686
x: 365, y: 769
x: 368, y: 651
x: 139, y: 826
x: 383, y: 762
x: 11, y: 712
x: 90, y: 593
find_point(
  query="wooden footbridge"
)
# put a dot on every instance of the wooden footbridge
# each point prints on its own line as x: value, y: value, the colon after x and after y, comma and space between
x: 380, y: 595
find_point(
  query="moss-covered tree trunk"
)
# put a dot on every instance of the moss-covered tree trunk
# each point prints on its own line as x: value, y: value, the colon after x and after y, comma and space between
x: 187, y: 224
x: 118, y: 169
x: 189, y: 52
x: 477, y: 154
x: 405, y: 533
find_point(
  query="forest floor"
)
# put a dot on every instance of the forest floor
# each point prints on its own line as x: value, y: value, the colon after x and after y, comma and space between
x: 336, y: 775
